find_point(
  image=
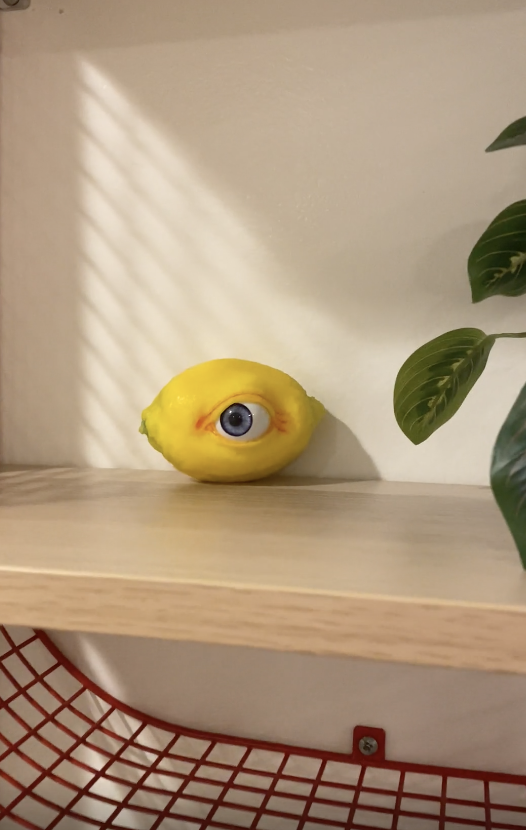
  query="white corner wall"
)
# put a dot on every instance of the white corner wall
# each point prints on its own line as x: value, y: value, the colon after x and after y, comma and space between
x: 462, y: 719
x: 295, y: 182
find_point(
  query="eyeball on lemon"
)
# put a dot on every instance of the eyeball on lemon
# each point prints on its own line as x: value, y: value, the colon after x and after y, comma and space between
x: 231, y: 420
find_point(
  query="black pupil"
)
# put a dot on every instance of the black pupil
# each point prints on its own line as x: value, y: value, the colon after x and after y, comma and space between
x: 236, y: 420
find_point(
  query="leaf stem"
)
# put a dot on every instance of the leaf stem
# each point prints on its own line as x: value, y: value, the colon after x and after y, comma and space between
x: 517, y: 334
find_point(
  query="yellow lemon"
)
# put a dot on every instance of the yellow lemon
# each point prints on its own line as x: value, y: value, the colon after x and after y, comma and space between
x: 231, y: 420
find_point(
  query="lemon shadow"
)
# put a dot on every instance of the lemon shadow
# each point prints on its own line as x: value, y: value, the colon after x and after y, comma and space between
x: 333, y: 453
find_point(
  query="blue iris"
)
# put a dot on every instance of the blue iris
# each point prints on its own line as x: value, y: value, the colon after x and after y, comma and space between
x: 236, y: 420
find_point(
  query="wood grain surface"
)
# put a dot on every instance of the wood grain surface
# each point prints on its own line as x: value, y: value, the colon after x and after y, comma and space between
x: 424, y: 574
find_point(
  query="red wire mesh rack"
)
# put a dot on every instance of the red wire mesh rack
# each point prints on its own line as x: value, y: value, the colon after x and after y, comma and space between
x: 74, y: 758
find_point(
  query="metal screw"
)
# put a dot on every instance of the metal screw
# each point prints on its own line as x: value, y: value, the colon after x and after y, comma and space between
x: 368, y: 746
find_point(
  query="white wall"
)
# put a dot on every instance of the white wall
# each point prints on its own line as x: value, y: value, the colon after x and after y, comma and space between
x: 294, y: 182
x: 297, y: 182
x: 432, y: 716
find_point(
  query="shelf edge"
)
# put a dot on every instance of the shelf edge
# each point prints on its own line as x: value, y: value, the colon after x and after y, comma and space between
x: 421, y: 632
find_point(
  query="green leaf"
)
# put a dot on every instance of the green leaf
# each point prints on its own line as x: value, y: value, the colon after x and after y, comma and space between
x: 434, y: 382
x: 508, y: 472
x: 497, y: 263
x: 512, y: 136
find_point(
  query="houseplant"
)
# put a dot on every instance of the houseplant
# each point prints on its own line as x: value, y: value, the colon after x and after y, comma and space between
x: 436, y: 379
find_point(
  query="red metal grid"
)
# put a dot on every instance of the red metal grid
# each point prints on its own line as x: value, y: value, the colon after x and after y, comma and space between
x: 74, y: 758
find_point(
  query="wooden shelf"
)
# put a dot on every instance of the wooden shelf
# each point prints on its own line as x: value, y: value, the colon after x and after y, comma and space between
x: 415, y: 573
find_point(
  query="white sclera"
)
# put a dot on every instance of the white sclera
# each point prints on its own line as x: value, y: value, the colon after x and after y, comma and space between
x: 260, y: 423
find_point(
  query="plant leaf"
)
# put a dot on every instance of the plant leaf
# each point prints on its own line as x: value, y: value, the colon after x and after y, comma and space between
x: 512, y: 136
x: 434, y: 382
x: 497, y: 263
x: 508, y: 472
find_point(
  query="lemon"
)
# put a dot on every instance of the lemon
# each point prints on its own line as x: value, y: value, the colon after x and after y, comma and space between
x: 231, y: 420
